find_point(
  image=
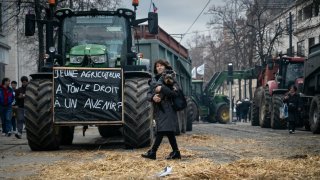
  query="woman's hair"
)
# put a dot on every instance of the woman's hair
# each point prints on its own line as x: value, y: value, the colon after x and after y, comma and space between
x: 294, y: 87
x: 4, y: 80
x: 165, y: 63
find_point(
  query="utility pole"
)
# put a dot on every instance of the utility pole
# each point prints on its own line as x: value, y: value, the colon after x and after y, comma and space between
x: 230, y: 81
x: 290, y: 30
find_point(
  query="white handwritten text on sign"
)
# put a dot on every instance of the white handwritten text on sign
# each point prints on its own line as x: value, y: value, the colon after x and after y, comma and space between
x: 87, y: 94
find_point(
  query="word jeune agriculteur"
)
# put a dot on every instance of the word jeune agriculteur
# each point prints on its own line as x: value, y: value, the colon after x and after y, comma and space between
x: 89, y: 89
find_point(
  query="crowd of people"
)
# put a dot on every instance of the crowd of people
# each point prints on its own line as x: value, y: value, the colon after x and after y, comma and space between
x: 242, y: 110
x: 12, y: 106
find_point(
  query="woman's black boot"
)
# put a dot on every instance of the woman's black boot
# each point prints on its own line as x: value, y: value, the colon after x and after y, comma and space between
x: 174, y: 155
x: 150, y: 154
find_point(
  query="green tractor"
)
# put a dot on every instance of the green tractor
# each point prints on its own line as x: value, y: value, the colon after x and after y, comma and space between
x: 214, y: 107
x: 90, y: 77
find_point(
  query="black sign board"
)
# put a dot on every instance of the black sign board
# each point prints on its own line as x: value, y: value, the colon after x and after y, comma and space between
x: 87, y: 95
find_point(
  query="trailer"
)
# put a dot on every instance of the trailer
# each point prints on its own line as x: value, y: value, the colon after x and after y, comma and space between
x: 163, y: 46
x: 311, y: 88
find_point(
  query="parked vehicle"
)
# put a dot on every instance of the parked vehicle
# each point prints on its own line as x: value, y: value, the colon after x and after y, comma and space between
x: 277, y: 75
x: 311, y: 88
x: 90, y: 77
x: 163, y: 46
x: 214, y: 107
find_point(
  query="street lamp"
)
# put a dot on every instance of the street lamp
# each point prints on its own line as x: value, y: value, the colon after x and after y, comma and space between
x: 230, y: 81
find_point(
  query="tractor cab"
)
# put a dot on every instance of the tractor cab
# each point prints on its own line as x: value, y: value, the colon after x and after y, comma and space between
x: 197, y: 89
x: 290, y: 72
x: 95, y: 41
x: 100, y: 39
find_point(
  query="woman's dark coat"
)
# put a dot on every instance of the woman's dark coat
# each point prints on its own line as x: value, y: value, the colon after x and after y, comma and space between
x: 293, y: 102
x: 165, y: 116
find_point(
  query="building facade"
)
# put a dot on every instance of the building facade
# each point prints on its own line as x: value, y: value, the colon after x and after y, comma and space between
x: 305, y: 26
x: 4, y: 47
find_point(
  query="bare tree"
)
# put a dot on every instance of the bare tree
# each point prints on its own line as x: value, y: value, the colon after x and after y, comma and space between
x: 265, y: 33
x: 230, y: 18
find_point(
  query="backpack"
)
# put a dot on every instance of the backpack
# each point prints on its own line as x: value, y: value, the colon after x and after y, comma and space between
x: 179, y: 102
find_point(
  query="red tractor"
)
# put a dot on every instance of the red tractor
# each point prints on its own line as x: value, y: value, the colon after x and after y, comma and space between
x: 276, y: 77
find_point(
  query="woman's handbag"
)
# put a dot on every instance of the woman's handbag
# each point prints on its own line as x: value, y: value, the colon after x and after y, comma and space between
x: 179, y: 102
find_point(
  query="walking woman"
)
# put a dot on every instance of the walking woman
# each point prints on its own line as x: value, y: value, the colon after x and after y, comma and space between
x: 161, y: 94
x: 294, y: 108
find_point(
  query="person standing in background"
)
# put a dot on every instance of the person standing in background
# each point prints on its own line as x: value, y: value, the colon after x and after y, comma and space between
x: 21, y: 93
x: 14, y: 107
x: 6, y: 100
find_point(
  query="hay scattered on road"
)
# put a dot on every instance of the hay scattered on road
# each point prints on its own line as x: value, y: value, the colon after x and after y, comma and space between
x: 129, y: 165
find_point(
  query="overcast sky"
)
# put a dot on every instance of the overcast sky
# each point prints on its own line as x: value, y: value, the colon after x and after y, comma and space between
x: 176, y: 16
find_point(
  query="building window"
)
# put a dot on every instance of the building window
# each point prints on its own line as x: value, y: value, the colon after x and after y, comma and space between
x: 300, y: 49
x: 300, y: 16
x: 316, y: 8
x: 307, y: 12
x: 311, y: 42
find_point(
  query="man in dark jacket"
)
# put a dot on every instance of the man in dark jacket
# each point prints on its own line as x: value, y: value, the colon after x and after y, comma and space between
x: 238, y: 112
x: 164, y: 114
x: 245, y: 109
x: 20, y: 95
x: 294, y: 107
x: 6, y: 100
x: 14, y: 107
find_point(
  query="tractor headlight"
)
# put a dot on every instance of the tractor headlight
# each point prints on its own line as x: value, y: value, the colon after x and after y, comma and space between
x: 99, y: 59
x: 76, y: 59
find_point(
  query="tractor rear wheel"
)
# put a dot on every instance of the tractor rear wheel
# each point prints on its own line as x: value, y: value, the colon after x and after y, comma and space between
x: 264, y: 113
x: 314, y: 115
x: 41, y: 133
x: 109, y: 131
x: 181, y: 123
x: 212, y: 116
x: 138, y: 113
x: 192, y: 113
x: 276, y: 121
x: 223, y: 113
x: 255, y: 107
x: 66, y: 135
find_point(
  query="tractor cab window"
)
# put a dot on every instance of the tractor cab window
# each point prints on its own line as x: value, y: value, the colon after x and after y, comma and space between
x: 197, y: 87
x: 294, y: 71
x: 109, y: 31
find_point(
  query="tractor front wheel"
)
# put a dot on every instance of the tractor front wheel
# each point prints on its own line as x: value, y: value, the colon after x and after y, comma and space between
x: 276, y: 122
x: 264, y: 113
x: 223, y: 113
x: 41, y: 133
x: 138, y: 113
x: 314, y: 115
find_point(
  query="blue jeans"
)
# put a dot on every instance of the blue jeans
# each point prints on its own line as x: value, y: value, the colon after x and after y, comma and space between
x: 20, y: 119
x: 6, y: 115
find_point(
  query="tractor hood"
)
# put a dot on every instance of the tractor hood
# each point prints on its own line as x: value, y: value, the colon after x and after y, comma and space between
x: 88, y: 49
